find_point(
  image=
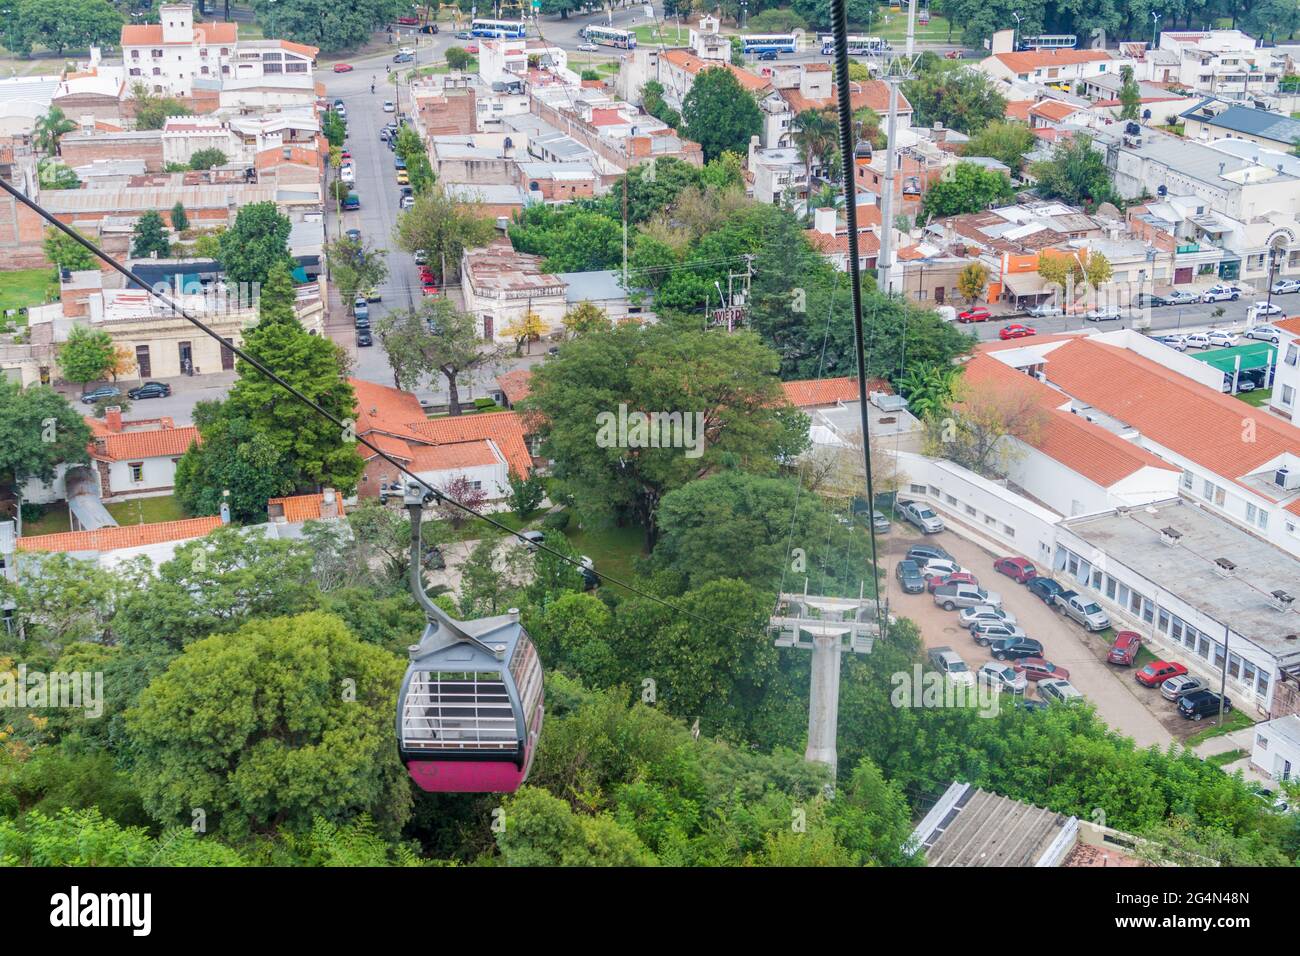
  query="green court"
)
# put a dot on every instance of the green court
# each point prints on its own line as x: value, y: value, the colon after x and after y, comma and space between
x: 1254, y: 355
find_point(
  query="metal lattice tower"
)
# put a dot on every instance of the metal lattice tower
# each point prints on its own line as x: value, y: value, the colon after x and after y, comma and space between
x: 898, y: 69
x: 829, y: 627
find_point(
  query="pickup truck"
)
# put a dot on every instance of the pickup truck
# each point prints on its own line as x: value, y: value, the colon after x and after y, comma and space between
x: 1083, y: 610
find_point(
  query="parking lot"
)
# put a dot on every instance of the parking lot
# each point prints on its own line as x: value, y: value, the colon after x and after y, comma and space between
x: 1133, y: 710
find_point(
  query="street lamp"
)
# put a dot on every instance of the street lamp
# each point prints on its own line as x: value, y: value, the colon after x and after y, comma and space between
x: 1017, y: 17
x: 1155, y: 28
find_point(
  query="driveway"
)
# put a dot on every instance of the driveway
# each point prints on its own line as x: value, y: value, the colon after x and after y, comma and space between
x: 1112, y: 690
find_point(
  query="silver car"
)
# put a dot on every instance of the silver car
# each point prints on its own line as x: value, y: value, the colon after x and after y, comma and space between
x: 1045, y: 311
x: 1283, y: 286
x: 1176, y: 687
x: 985, y: 614
x: 1264, y: 333
x: 1059, y: 691
x: 1182, y: 297
x: 986, y: 633
x: 921, y: 515
x: 1002, y: 676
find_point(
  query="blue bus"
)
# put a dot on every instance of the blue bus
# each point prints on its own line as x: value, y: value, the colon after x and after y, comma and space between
x: 764, y: 42
x: 499, y: 29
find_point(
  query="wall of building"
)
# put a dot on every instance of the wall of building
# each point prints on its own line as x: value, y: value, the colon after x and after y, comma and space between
x: 158, y: 477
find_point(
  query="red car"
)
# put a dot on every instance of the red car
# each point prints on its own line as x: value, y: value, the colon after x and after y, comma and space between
x: 1022, y: 569
x: 1124, y: 650
x: 345, y: 154
x: 961, y: 577
x: 952, y: 55
x: 1157, y: 672
x: 342, y: 67
x: 1035, y: 668
x: 409, y: 21
x: 977, y: 314
x: 1016, y: 331
x: 428, y: 288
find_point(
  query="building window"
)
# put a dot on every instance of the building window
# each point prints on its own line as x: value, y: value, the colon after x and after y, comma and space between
x: 135, y: 54
x: 1288, y: 395
x: 970, y: 511
x: 1188, y: 480
x: 1163, y: 625
x: 1009, y: 531
x: 1177, y: 632
x: 1261, y: 683
x: 137, y: 471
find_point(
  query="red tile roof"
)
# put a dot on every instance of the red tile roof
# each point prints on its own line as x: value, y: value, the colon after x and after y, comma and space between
x: 506, y: 429
x: 129, y: 536
x: 516, y: 385
x: 1018, y: 110
x: 812, y: 392
x: 465, y: 454
x: 151, y: 34
x: 1291, y: 325
x: 838, y: 245
x: 1032, y: 60
x: 386, y: 409
x: 164, y: 441
x: 873, y: 94
x: 301, y: 48
x: 1075, y: 442
x: 303, y: 507
x: 1053, y: 110
x: 694, y: 65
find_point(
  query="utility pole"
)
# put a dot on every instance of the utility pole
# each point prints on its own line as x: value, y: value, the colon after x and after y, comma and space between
x: 897, y: 72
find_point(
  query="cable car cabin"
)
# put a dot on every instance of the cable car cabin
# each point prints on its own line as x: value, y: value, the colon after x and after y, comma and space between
x: 469, y: 713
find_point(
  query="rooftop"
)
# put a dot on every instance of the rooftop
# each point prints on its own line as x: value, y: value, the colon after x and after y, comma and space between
x: 1028, y: 61
x: 128, y: 536
x: 972, y: 827
x: 1187, y: 568
x: 1249, y: 122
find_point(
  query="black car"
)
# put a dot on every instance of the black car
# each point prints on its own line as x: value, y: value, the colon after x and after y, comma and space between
x: 1014, y: 648
x: 924, y: 553
x: 364, y: 339
x: 103, y: 391
x: 150, y: 390
x: 767, y: 55
x: 1147, y: 300
x: 353, y: 234
x: 1045, y: 589
x: 909, y: 577
x: 1201, y: 703
x: 429, y: 28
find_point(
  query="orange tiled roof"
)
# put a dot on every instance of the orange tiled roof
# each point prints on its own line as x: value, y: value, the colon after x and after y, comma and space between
x: 303, y: 507
x: 694, y: 65
x: 1291, y: 325
x: 506, y: 429
x: 1075, y: 442
x: 151, y: 34
x: 516, y: 385
x: 300, y: 48
x: 873, y: 94
x: 868, y: 243
x: 811, y: 392
x: 1018, y: 110
x: 385, y: 409
x: 270, y: 158
x: 165, y: 441
x: 1031, y: 60
x: 1191, y: 420
x: 1053, y: 109
x: 128, y: 536
x: 465, y: 454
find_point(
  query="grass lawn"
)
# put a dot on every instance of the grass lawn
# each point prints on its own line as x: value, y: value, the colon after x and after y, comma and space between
x: 1227, y: 757
x: 936, y: 31
x: 650, y: 33
x: 146, y: 510
x: 1234, y: 720
x: 23, y: 288
x: 612, y: 549
x: 1258, y: 398
x: 54, y: 521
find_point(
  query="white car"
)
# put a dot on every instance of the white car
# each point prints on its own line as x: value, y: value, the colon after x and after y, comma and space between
x: 1106, y: 314
x: 1059, y: 691
x: 942, y: 568
x: 1224, y: 340
x: 347, y: 173
x: 406, y: 202
x: 1181, y: 297
x: 1264, y: 333
x: 1196, y: 340
x: 1002, y: 676
x: 984, y: 614
x: 1267, y: 308
x: 388, y: 106
x: 1222, y: 293
x: 1283, y: 286
x: 1178, y: 342
x: 587, y: 48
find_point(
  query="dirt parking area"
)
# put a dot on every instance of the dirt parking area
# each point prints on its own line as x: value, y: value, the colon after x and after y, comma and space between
x: 1119, y: 699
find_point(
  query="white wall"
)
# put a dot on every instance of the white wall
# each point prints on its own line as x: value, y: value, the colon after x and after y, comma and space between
x: 1273, y: 749
x: 157, y: 473
x: 494, y: 479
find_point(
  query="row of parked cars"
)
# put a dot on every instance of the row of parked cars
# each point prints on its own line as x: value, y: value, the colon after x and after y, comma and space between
x: 1191, y: 695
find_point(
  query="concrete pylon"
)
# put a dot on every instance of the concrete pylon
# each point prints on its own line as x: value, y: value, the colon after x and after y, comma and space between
x: 824, y: 703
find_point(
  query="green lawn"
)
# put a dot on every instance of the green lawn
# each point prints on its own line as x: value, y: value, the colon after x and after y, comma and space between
x: 1258, y: 398
x: 936, y: 31
x: 146, y: 510
x: 1234, y: 720
x: 650, y: 33
x: 54, y: 521
x: 23, y: 288
x: 1227, y: 757
x: 612, y: 549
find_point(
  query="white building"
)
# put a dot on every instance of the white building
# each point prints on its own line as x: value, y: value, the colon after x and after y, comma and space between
x: 1057, y: 68
x: 1286, y: 376
x: 1219, y: 62
x: 1276, y: 750
x: 501, y: 286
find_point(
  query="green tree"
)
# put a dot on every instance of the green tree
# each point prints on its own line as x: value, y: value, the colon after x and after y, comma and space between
x: 149, y: 238
x: 437, y: 338
x: 39, y: 430
x: 49, y: 129
x: 814, y: 133
x: 966, y: 187
x: 972, y: 281
x: 411, y: 148
x: 720, y: 114
x: 324, y: 24
x: 234, y: 457
x: 1007, y: 142
x: 458, y: 57
x: 335, y: 128
x: 443, y: 228
x: 256, y: 244
x: 54, y: 175
x: 526, y: 494
x: 355, y: 266
x: 575, y: 237
x: 66, y: 253
x: 586, y: 317
x: 87, y: 356
x: 151, y: 110
x: 58, y: 25
x: 652, y: 98
x: 1077, y: 174
x: 1130, y: 95
x: 180, y: 219
x: 282, y: 721
x: 60, y: 599
x: 546, y: 832
x: 961, y: 99
x: 207, y: 158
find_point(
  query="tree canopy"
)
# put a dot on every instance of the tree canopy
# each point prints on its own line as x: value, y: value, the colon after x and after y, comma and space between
x: 720, y: 114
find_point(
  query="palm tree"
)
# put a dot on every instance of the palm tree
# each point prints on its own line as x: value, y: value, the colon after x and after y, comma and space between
x: 814, y: 135
x: 50, y: 129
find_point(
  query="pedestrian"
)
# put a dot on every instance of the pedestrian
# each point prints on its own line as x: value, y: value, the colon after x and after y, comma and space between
x: 372, y: 87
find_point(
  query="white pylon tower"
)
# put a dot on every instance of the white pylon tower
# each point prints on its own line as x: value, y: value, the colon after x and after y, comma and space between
x: 898, y: 69
x: 829, y: 627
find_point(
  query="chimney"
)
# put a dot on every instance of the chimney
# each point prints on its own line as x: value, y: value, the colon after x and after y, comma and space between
x: 329, y: 504
x: 825, y: 220
x: 113, y: 418
x: 225, y: 506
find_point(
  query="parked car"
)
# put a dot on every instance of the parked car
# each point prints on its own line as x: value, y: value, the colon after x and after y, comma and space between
x: 532, y: 539
x: 984, y: 614
x: 909, y: 577
x: 1173, y: 688
x: 976, y: 314
x: 1016, y: 331
x: 1196, y: 340
x: 1059, y: 691
x: 388, y: 106
x: 1082, y: 610
x: 1202, y: 703
x: 149, y: 390
x: 1264, y: 307
x: 921, y: 515
x: 1224, y: 340
x: 1002, y: 676
x: 353, y: 234
x: 361, y: 308
x: 935, y: 581
x: 1157, y: 672
x: 949, y: 663
x: 1104, y: 314
x: 403, y: 177
x: 941, y: 568
x: 952, y: 596
x: 373, y: 294
x: 421, y: 257
x: 1284, y: 286
x: 399, y: 163
x: 471, y: 48
x: 1148, y: 300
x: 1045, y: 311
x: 1177, y: 341
x: 351, y: 202
x: 1022, y: 569
x: 1037, y: 668
x: 1017, y: 648
x: 342, y: 67
x: 1222, y: 293
x: 103, y: 391
x: 923, y: 554
x: 1263, y: 333
x: 988, y: 633
x: 364, y: 339
x: 1124, y: 650
x: 406, y: 202
x: 587, y: 48
x: 1045, y: 589
x: 1181, y: 297
x: 879, y: 522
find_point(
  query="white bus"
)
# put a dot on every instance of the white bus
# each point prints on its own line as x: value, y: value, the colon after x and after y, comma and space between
x: 1055, y: 41
x: 858, y: 45
x: 499, y: 29
x: 764, y: 42
x: 610, y: 36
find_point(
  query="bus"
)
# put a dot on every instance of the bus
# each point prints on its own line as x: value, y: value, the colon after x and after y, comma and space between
x: 498, y: 29
x: 763, y: 42
x: 609, y: 36
x: 858, y: 45
x: 1053, y: 41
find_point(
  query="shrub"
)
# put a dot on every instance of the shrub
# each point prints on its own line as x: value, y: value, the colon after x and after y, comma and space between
x: 556, y: 521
